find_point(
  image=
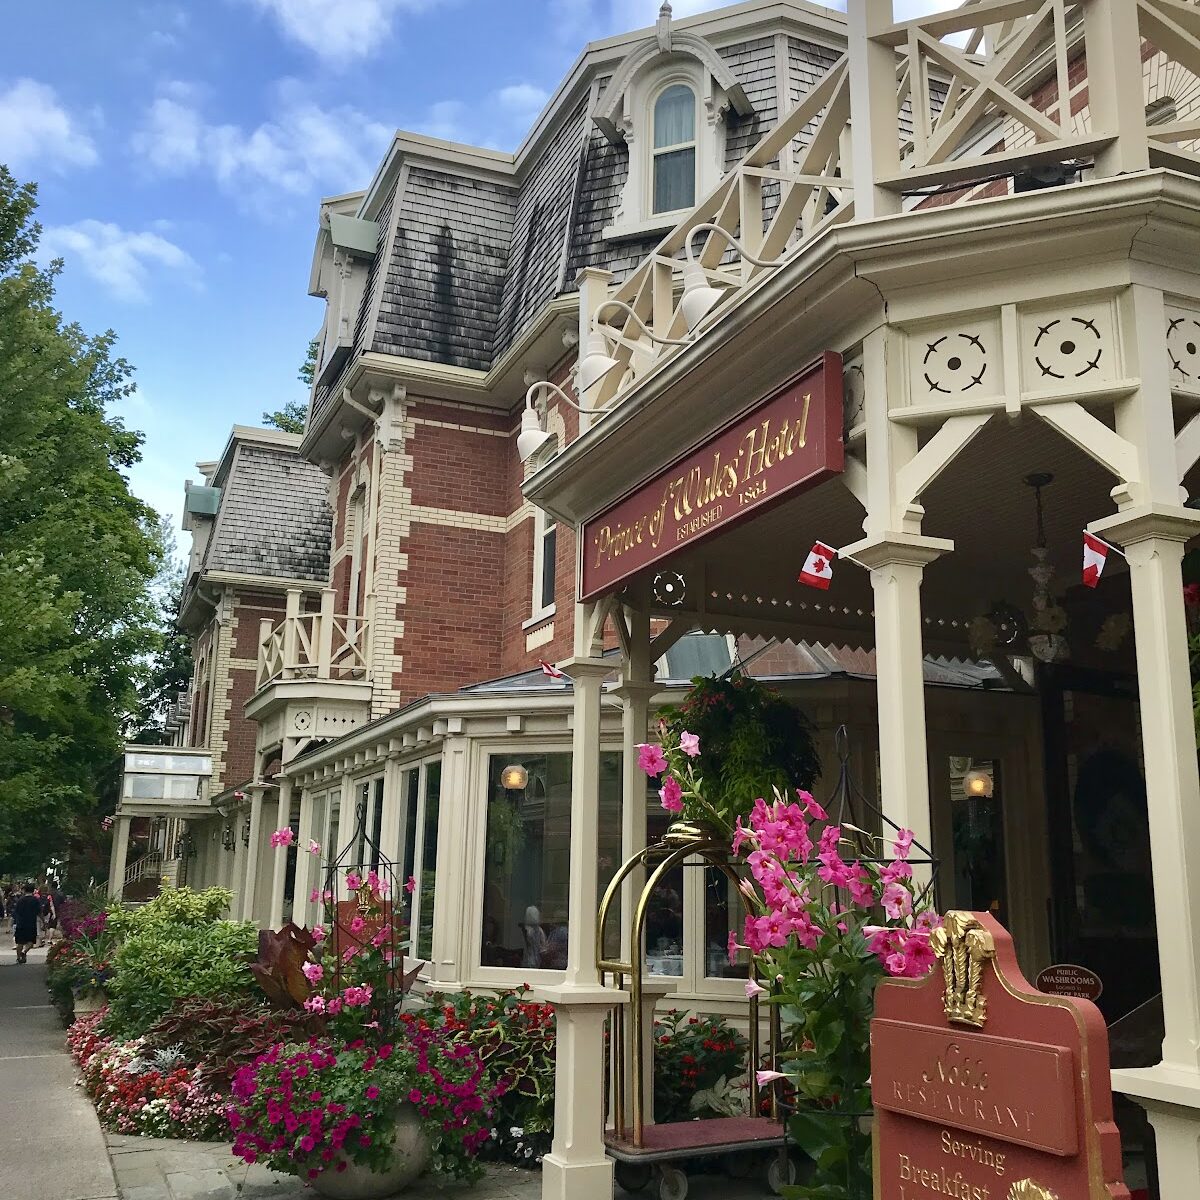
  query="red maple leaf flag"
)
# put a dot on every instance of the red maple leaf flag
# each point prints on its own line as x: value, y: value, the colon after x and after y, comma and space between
x: 1095, y: 555
x: 818, y: 566
x: 552, y: 672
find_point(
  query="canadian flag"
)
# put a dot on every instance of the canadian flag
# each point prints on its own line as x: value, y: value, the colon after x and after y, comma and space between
x: 1095, y: 555
x: 818, y: 566
x: 552, y: 672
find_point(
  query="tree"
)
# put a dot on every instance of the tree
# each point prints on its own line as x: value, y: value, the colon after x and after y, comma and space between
x: 290, y: 418
x: 77, y: 554
x: 169, y: 668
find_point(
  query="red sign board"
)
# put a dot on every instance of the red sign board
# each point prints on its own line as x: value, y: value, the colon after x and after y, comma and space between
x: 790, y: 441
x: 986, y: 1089
x: 1067, y: 979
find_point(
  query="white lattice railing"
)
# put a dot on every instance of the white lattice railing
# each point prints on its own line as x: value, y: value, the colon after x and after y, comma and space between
x: 781, y: 194
x: 985, y: 92
x: 315, y: 645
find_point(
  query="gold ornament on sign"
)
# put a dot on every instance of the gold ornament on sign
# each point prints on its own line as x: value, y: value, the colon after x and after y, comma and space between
x: 962, y: 946
x: 1026, y: 1189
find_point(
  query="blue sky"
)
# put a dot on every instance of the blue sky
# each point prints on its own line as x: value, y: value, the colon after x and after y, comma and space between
x: 181, y: 149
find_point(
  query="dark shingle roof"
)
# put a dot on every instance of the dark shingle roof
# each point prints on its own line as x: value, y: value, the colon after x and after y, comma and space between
x: 274, y: 516
x: 472, y: 260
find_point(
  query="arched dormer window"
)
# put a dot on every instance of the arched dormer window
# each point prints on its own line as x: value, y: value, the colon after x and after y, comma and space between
x: 674, y: 149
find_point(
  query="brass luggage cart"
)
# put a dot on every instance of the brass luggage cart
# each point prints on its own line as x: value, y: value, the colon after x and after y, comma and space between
x: 645, y: 1151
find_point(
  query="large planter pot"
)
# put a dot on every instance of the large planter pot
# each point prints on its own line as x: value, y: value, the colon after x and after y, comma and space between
x: 90, y: 1001
x: 410, y: 1155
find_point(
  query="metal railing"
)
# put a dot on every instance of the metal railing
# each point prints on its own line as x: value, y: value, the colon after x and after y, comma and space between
x: 315, y: 645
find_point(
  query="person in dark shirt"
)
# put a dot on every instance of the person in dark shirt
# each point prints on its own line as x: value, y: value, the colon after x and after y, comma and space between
x: 25, y: 922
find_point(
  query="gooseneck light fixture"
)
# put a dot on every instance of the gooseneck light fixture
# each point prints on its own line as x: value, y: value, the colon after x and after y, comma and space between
x: 699, y: 296
x: 596, y: 362
x: 532, y: 436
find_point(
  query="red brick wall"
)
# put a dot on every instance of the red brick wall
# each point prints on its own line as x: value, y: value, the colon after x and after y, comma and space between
x: 243, y: 733
x: 250, y: 609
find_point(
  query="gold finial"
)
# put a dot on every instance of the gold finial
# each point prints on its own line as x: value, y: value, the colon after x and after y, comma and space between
x: 963, y: 946
x: 1026, y: 1189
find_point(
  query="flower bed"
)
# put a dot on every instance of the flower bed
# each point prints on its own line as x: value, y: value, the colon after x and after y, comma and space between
x: 137, y: 1089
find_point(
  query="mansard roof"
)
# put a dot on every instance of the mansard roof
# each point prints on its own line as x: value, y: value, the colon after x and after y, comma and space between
x: 272, y: 518
x: 473, y: 244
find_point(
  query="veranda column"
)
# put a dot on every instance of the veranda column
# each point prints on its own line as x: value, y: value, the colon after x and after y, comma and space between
x: 576, y: 1167
x: 1154, y: 539
x: 875, y: 149
x: 283, y: 816
x: 250, y: 887
x: 308, y: 866
x: 117, y: 863
x: 238, y: 887
x: 897, y: 565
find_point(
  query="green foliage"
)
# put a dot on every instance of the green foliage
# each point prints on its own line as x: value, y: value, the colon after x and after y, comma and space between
x: 695, y: 1059
x: 77, y: 552
x: 163, y: 962
x: 752, y: 741
x: 289, y: 418
x: 308, y: 368
x: 172, y: 906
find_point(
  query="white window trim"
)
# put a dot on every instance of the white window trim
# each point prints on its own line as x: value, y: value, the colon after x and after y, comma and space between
x: 542, y: 524
x: 634, y: 215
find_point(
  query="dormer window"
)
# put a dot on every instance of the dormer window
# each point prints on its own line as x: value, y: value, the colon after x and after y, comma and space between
x: 674, y: 149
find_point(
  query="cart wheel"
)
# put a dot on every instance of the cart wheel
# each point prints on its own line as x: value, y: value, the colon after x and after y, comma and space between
x: 672, y: 1184
x: 781, y: 1173
x: 633, y: 1176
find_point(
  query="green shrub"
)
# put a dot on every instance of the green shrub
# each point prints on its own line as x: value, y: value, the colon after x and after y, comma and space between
x: 172, y: 906
x: 163, y: 962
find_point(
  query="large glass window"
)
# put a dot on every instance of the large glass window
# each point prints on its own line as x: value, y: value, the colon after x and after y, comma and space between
x: 527, y: 861
x: 429, y: 844
x: 420, y: 808
x: 674, y: 149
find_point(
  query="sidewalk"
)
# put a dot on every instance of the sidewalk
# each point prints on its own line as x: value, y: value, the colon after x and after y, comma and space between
x: 51, y: 1145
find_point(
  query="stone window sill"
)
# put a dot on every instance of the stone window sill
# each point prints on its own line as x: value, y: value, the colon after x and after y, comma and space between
x: 538, y: 617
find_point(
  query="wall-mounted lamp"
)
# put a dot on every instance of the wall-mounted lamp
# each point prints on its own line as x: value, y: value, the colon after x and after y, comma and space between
x: 246, y: 832
x: 532, y: 436
x: 978, y: 784
x: 227, y: 837
x: 699, y: 296
x: 514, y: 778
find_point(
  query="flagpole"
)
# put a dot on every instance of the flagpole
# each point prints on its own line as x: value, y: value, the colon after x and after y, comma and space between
x: 1104, y: 542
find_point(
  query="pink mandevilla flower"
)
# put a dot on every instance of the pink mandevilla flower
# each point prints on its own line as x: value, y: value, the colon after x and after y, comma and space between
x: 314, y: 847
x: 651, y: 758
x: 671, y: 795
x: 753, y: 989
x: 903, y: 843
x: 353, y: 880
x: 318, y: 933
x: 313, y: 972
x: 689, y: 743
x: 282, y: 837
x: 811, y: 807
x: 897, y: 901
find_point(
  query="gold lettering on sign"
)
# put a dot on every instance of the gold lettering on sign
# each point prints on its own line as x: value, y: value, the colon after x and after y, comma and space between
x: 962, y: 946
x: 693, y: 497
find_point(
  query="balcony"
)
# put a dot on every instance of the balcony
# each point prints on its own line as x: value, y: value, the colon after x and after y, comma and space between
x: 315, y: 645
x: 314, y: 675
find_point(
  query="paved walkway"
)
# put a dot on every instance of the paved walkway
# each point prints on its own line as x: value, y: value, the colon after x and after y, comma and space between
x: 51, y: 1145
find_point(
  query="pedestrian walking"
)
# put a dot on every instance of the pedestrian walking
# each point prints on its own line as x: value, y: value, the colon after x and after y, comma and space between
x: 26, y: 911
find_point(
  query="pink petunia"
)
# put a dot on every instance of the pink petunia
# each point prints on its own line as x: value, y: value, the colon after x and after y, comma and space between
x: 651, y: 758
x: 897, y: 901
x: 671, y: 795
x: 689, y: 743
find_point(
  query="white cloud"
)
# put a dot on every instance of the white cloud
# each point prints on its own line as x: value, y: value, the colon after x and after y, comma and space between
x: 338, y: 31
x: 120, y: 259
x: 35, y: 130
x: 523, y: 100
x: 445, y: 119
x: 302, y: 148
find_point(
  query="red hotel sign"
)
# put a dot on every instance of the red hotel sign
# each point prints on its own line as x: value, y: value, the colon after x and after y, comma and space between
x: 985, y: 1089
x: 788, y: 442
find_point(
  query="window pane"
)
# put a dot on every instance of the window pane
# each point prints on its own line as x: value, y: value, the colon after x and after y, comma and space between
x: 978, y: 880
x: 723, y: 911
x: 674, y: 180
x: 433, y: 792
x: 408, y: 850
x: 675, y: 117
x: 376, y: 822
x: 549, y: 547
x: 527, y: 858
x: 664, y: 911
